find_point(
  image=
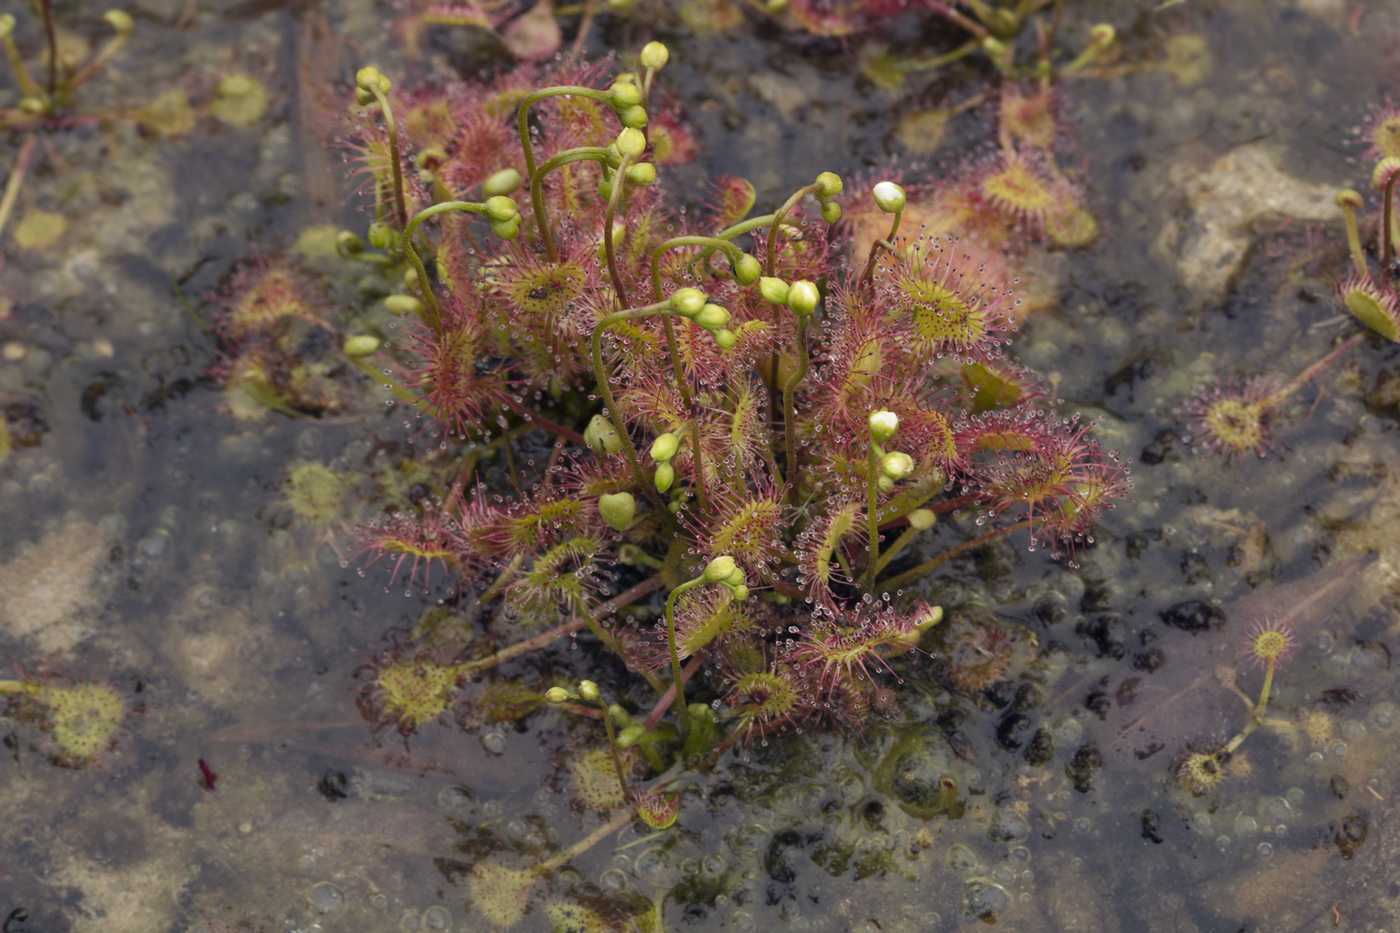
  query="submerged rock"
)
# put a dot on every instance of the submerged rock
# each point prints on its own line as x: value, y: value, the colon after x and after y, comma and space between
x: 1210, y: 237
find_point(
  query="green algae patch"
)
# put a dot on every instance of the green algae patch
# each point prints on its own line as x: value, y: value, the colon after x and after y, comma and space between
x: 240, y: 101
x: 39, y: 230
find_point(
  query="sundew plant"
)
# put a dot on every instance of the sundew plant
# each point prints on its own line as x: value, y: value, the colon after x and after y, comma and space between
x: 752, y: 416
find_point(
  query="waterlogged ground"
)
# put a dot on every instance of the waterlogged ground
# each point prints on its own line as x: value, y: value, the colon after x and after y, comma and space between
x: 145, y: 540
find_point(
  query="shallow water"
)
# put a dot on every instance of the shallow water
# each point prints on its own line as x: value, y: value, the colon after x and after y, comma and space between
x: 145, y: 540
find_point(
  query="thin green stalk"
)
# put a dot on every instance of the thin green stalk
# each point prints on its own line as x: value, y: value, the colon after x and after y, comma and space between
x: 502, y: 581
x: 778, y: 217
x: 872, y: 498
x: 681, y: 712
x: 1238, y: 740
x: 886, y: 243
x: 1297, y: 382
x: 789, y: 411
x: 600, y: 374
x: 900, y: 543
x: 27, y: 87
x: 399, y: 205
x: 564, y: 856
x: 626, y: 598
x: 646, y: 86
x: 947, y: 58
x: 432, y: 317
x: 523, y: 116
x: 378, y: 375
x: 700, y: 490
x: 101, y: 58
x: 1358, y: 257
x: 1264, y: 694
x: 609, y: 215
x: 712, y: 759
x: 12, y: 186
x: 753, y: 223
x: 567, y: 157
x: 51, y: 36
x: 1388, y: 220
x: 912, y: 576
x: 730, y: 250
x: 673, y: 347
x: 627, y: 793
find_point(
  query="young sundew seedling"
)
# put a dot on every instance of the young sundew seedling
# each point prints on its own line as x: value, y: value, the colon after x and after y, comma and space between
x: 82, y: 719
x: 1233, y: 420
x: 750, y: 415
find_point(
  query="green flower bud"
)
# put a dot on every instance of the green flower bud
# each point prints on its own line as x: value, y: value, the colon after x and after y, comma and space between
x: 687, y: 302
x: 665, y: 476
x: 601, y: 436
x: 620, y: 717
x: 624, y: 94
x: 885, y: 484
x: 7, y: 25
x: 922, y: 519
x: 641, y: 174
x: 726, y: 339
x: 773, y: 289
x: 889, y: 197
x: 119, y: 21
x: 1348, y: 197
x: 348, y: 244
x: 500, y: 208
x: 605, y: 187
x: 747, y: 270
x: 381, y: 235
x: 506, y: 229
x: 719, y: 569
x: 371, y: 78
x: 736, y: 578
x: 665, y: 447
x: 631, y: 141
x: 556, y: 695
x: 740, y: 592
x: 617, y: 509
x: 631, y: 735
x: 504, y: 182
x: 363, y: 345
x: 897, y: 465
x: 402, y: 304
x: 654, y: 56
x: 1102, y: 35
x: 588, y: 690
x: 883, y: 424
x: 364, y: 97
x: 674, y: 507
x: 803, y: 297
x: 713, y: 317
x: 831, y: 212
x: 410, y: 279
x: 633, y: 117
x: 829, y: 186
